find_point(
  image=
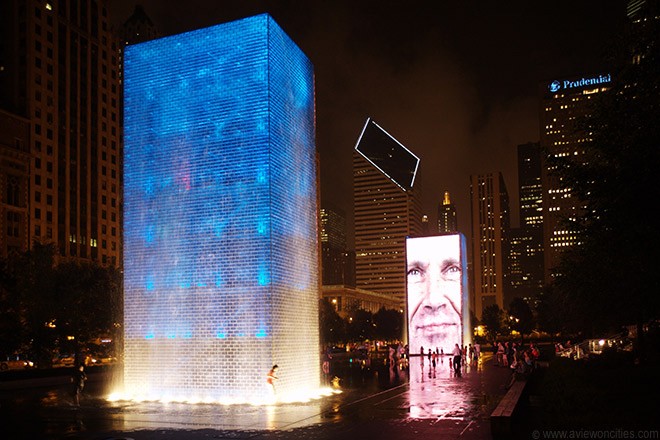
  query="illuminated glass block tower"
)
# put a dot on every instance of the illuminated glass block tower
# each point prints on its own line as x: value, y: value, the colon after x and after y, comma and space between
x: 221, y: 259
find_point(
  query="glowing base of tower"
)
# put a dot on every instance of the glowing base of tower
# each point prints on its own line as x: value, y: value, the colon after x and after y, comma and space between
x: 266, y: 399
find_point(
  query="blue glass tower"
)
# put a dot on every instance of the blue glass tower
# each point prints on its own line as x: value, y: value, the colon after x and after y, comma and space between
x: 220, y: 215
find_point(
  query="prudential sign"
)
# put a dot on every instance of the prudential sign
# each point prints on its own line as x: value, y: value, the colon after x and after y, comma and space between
x: 557, y: 85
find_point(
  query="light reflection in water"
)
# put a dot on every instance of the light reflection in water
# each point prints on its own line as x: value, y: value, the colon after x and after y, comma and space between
x: 437, y: 392
x: 300, y: 396
x: 279, y: 416
x: 51, y: 398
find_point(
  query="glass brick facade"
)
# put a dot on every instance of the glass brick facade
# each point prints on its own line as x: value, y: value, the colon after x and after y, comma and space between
x: 220, y: 227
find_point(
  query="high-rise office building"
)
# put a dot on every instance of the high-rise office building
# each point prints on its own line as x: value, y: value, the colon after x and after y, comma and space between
x: 138, y: 28
x: 387, y: 210
x: 447, y: 215
x: 529, y: 183
x: 564, y: 104
x: 60, y: 72
x: 336, y: 261
x: 14, y: 183
x: 525, y: 266
x: 489, y: 203
x: 526, y: 274
x: 426, y: 226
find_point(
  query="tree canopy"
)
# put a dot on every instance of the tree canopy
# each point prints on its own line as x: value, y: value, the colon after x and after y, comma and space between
x: 55, y: 307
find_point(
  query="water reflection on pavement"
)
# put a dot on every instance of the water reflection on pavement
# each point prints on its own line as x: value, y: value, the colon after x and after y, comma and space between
x: 437, y: 392
x: 376, y: 399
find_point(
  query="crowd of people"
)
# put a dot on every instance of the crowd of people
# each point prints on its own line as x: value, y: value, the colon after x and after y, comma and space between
x: 468, y: 355
x: 515, y: 356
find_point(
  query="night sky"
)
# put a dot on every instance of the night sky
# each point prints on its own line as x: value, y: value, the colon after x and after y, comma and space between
x: 454, y: 81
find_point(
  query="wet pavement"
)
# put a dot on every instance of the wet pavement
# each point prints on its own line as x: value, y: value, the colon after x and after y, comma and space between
x: 376, y: 401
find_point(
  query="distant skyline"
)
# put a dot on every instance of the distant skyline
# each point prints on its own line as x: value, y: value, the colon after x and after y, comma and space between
x: 455, y: 82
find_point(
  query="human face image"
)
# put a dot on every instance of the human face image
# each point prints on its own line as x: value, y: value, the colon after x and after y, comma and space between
x: 435, y: 291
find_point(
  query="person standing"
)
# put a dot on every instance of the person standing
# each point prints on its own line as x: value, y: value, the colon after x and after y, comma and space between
x: 271, y: 377
x: 500, y: 354
x: 78, y: 379
x: 457, y: 359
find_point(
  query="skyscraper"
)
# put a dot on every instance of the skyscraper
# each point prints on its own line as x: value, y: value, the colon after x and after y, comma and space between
x: 489, y: 202
x: 138, y: 28
x: 426, y: 225
x: 447, y: 215
x: 60, y: 72
x: 526, y: 256
x: 564, y: 104
x: 529, y: 182
x: 336, y: 263
x: 14, y: 184
x: 387, y: 210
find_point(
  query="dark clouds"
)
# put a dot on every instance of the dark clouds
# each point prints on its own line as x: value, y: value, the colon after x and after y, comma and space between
x: 456, y: 82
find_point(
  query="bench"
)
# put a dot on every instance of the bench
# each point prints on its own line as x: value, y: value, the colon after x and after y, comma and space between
x: 500, y: 418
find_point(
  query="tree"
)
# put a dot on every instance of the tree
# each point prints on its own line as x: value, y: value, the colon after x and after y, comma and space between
x: 521, y: 318
x: 11, y: 336
x: 37, y: 301
x: 43, y: 304
x: 333, y: 327
x: 551, y: 311
x: 492, y: 318
x: 361, y: 326
x: 388, y: 324
x: 88, y: 303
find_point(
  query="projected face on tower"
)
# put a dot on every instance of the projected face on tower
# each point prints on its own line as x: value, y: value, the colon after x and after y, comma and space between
x: 435, y: 291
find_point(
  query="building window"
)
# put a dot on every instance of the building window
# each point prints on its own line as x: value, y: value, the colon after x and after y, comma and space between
x: 13, y: 222
x: 13, y: 192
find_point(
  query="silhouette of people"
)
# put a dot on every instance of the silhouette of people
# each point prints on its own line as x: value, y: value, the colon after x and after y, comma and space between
x: 435, y: 289
x: 78, y: 379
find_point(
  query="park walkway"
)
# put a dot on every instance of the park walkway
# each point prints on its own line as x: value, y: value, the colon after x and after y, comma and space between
x: 419, y: 403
